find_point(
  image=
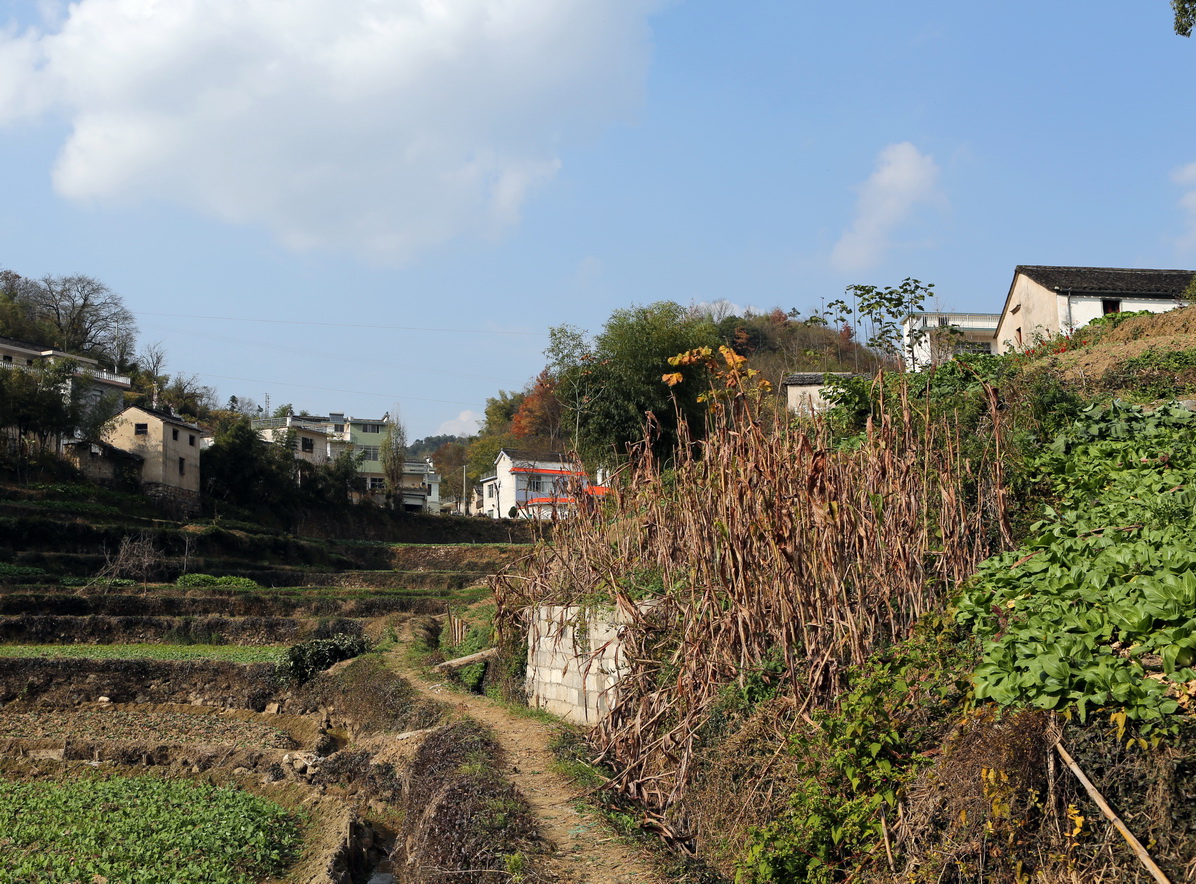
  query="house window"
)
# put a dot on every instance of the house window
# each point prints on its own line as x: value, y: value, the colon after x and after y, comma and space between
x: 369, y: 452
x: 338, y: 428
x: 490, y: 491
x: 7, y: 358
x: 140, y: 429
x: 191, y: 439
x: 371, y: 428
x: 182, y: 466
x: 1019, y: 336
x: 1110, y: 305
x: 174, y: 434
x: 377, y: 483
x: 307, y: 445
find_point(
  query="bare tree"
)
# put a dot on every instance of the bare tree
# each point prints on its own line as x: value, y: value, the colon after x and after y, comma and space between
x: 393, y: 455
x: 87, y: 316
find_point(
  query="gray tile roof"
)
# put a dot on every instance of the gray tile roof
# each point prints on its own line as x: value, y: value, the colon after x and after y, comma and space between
x: 1109, y: 280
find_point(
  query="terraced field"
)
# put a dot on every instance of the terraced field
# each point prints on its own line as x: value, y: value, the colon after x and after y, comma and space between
x: 111, y: 684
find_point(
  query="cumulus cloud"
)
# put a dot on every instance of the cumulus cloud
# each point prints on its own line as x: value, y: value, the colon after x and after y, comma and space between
x: 904, y: 178
x: 1185, y: 177
x: 378, y: 127
x: 464, y: 424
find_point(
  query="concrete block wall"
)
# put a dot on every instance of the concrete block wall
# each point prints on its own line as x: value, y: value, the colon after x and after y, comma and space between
x: 574, y: 662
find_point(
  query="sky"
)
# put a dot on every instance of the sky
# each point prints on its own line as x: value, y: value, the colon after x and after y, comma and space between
x: 362, y: 205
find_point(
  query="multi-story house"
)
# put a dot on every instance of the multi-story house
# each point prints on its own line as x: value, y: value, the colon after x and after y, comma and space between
x: 95, y: 385
x: 169, y: 450
x: 934, y: 338
x: 534, y: 485
x: 320, y: 440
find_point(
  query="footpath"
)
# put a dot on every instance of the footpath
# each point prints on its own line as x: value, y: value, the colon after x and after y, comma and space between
x: 585, y: 851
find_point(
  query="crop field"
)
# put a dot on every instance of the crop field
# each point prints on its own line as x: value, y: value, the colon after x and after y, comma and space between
x: 229, y: 653
x: 157, y: 726
x: 140, y: 830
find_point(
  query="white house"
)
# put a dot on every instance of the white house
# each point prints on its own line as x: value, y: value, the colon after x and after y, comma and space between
x: 534, y: 485
x: 803, y: 390
x: 1044, y: 301
x: 934, y: 338
x: 96, y: 381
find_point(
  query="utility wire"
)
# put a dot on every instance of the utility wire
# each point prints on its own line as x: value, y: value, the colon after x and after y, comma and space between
x: 466, y: 331
x: 391, y: 396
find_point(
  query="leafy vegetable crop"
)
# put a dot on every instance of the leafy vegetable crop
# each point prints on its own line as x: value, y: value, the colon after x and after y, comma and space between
x: 231, y: 653
x: 1098, y: 609
x: 140, y: 830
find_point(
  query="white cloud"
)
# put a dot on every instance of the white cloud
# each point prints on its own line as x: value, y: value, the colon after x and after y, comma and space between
x: 378, y: 127
x: 464, y: 424
x: 1185, y: 176
x: 903, y: 179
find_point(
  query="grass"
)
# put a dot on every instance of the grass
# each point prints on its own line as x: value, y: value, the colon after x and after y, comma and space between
x: 142, y: 829
x: 229, y: 653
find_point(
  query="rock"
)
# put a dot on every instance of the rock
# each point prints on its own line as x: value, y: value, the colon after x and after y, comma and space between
x: 273, y: 708
x: 104, y: 700
x: 240, y: 771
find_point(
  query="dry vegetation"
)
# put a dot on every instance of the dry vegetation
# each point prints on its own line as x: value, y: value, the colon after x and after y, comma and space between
x: 764, y: 552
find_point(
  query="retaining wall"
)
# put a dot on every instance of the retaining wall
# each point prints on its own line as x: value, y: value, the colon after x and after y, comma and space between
x: 574, y: 662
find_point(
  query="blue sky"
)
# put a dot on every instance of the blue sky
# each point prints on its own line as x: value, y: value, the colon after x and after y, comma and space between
x: 391, y: 201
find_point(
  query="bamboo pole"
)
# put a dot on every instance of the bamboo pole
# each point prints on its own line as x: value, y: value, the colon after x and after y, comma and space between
x: 1096, y: 796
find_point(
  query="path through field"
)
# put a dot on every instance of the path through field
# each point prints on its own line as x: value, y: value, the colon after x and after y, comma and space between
x: 586, y: 852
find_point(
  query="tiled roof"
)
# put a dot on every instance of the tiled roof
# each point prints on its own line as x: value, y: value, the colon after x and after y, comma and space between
x: 810, y: 378
x: 1109, y: 280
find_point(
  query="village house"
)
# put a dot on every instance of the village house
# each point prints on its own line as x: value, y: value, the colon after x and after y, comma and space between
x: 320, y: 440
x: 169, y: 450
x: 803, y: 390
x: 934, y: 338
x: 1044, y: 301
x: 533, y: 485
x: 96, y: 386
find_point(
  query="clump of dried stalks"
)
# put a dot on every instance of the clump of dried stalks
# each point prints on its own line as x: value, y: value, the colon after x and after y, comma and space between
x: 769, y: 544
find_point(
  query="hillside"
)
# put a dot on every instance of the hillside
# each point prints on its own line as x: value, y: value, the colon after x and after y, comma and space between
x: 865, y: 647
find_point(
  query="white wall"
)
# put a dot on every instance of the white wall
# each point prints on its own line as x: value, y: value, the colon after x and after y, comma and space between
x: 574, y: 662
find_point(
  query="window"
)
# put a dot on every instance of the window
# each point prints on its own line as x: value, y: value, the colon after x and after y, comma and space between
x: 182, y: 466
x: 1019, y: 337
x: 1110, y: 305
x: 490, y: 491
x: 377, y: 483
x: 371, y: 428
x: 338, y: 428
x: 140, y: 429
x: 7, y: 358
x: 369, y: 452
x: 191, y: 439
x: 307, y: 445
x: 174, y: 434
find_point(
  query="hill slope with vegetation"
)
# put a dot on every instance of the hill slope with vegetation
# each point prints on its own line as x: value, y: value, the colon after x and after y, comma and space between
x: 896, y: 613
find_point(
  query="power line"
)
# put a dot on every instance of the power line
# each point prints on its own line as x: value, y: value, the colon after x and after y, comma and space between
x: 390, y: 396
x: 306, y: 351
x: 465, y: 331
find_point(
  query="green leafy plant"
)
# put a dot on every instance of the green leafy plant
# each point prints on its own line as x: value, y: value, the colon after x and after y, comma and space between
x: 145, y: 829
x: 1102, y: 595
x: 303, y: 661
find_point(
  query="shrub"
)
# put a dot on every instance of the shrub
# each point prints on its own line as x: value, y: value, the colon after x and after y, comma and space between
x: 304, y: 660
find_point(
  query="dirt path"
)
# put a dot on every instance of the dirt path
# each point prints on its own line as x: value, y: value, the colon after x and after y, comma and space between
x: 586, y: 851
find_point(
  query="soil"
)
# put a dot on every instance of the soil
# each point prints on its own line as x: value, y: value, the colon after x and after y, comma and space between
x: 585, y: 852
x: 1175, y: 330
